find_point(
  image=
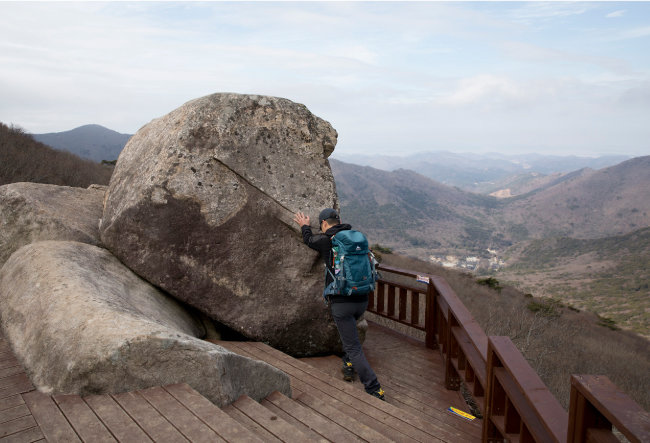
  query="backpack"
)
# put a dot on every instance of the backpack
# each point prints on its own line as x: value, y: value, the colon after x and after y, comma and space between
x: 353, y: 265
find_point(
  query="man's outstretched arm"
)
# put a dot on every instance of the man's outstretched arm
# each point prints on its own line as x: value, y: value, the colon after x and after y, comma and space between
x: 318, y: 242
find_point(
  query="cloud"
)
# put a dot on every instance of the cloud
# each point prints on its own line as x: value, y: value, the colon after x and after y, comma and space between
x: 526, y: 51
x: 616, y: 14
x: 635, y: 33
x: 534, y: 12
x: 387, y: 76
x: 484, y: 89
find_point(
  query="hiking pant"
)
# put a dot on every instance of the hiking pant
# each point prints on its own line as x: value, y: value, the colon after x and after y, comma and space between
x: 345, y: 316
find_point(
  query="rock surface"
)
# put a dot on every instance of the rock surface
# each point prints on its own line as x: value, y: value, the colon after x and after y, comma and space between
x: 81, y: 322
x: 201, y: 205
x: 32, y: 212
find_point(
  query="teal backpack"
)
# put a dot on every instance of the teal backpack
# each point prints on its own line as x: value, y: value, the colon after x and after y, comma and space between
x: 353, y: 264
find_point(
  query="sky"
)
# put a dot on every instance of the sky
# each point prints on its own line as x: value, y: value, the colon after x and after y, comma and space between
x: 391, y: 77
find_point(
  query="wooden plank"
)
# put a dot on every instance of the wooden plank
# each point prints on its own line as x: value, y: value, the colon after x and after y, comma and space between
x: 13, y: 413
x: 338, y: 416
x: 326, y: 428
x: 215, y: 418
x: 17, y: 425
x: 381, y: 287
x: 269, y: 421
x: 49, y: 417
x: 20, y: 388
x: 438, y: 414
x: 291, y: 420
x: 83, y: 419
x: 12, y: 370
x: 430, y: 400
x: 390, y: 312
x: 415, y: 309
x: 360, y: 415
x: 249, y: 424
x: 9, y: 362
x: 26, y: 436
x: 402, y: 305
x: 115, y: 418
x: 398, y: 271
x: 20, y: 378
x: 386, y: 408
x: 178, y: 415
x: 10, y: 402
x: 148, y: 418
x: 351, y: 405
x: 383, y: 411
x: 383, y: 335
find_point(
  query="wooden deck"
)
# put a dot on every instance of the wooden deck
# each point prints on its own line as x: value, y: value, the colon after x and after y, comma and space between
x: 323, y: 407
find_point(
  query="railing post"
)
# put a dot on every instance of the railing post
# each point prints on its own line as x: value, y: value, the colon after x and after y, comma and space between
x: 430, y: 316
x: 452, y: 379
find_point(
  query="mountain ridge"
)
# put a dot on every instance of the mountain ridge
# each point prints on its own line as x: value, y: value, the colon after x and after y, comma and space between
x: 584, y: 204
x: 92, y: 141
x: 480, y: 173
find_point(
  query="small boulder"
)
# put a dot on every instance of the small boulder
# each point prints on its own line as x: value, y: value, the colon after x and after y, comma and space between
x: 32, y: 212
x: 82, y: 323
x: 201, y: 204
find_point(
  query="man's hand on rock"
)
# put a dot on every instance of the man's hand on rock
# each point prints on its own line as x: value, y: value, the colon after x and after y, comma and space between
x: 301, y: 219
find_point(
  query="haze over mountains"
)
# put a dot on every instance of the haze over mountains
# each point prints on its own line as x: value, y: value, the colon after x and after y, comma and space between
x: 483, y: 173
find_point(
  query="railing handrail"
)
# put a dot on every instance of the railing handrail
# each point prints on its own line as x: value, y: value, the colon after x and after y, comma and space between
x: 597, y: 403
x: 465, y: 347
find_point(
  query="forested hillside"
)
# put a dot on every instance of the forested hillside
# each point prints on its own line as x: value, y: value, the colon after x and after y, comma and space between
x: 23, y: 159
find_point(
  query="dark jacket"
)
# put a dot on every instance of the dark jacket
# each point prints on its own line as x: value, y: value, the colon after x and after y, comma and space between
x: 323, y: 244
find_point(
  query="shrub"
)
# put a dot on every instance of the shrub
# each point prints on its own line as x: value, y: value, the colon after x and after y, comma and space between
x: 546, y: 307
x: 608, y: 323
x: 490, y: 282
x: 381, y: 249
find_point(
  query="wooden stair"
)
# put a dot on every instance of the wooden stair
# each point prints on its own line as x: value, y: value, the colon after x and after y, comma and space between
x: 326, y: 408
x: 322, y: 408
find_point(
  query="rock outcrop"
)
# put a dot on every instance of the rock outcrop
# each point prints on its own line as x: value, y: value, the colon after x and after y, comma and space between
x: 201, y: 204
x: 81, y: 322
x: 32, y: 212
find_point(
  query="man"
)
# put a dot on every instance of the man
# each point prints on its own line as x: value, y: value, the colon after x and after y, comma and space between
x: 346, y: 309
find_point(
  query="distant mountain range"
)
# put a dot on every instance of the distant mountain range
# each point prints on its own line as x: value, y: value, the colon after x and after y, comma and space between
x: 411, y: 212
x: 582, y: 237
x: 484, y: 173
x: 93, y: 142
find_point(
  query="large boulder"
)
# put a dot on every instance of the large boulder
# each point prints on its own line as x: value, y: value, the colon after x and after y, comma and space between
x: 201, y: 204
x: 32, y: 212
x: 82, y: 323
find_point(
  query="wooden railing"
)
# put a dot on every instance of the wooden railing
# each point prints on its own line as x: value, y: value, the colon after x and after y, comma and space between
x: 515, y: 404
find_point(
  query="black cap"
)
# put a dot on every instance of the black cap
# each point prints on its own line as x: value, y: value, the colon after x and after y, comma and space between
x: 326, y: 214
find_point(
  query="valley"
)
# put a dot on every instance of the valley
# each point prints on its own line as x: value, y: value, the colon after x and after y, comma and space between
x: 581, y: 239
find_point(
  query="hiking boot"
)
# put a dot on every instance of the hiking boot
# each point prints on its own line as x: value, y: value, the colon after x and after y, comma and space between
x: 379, y: 393
x: 348, y: 371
